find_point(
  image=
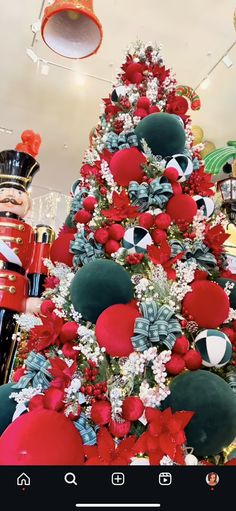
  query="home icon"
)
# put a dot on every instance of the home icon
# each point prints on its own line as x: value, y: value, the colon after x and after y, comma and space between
x: 23, y: 480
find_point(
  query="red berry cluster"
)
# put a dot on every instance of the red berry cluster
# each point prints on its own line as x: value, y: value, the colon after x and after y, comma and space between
x: 95, y: 390
x: 118, y: 126
x: 134, y: 258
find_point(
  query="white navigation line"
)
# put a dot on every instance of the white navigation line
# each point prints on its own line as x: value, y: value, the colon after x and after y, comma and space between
x: 153, y: 506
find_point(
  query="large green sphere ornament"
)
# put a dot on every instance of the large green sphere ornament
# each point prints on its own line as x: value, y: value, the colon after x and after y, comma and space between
x: 213, y: 426
x: 97, y: 285
x: 7, y: 406
x: 164, y: 134
x: 69, y: 221
x: 232, y: 288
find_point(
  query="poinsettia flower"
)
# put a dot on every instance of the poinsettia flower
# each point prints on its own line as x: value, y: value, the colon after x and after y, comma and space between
x: 61, y: 372
x: 160, y: 72
x: 215, y: 237
x: 165, y: 435
x: 47, y: 334
x: 121, y: 208
x: 106, y: 452
x: 161, y: 255
x: 200, y: 183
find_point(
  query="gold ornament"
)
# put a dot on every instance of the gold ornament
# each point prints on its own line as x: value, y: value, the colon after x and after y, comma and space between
x: 208, y: 148
x: 198, y: 134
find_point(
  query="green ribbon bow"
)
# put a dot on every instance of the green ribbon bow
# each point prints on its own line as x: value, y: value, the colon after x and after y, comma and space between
x: 88, y: 434
x: 37, y: 372
x: 158, y: 325
x: 85, y: 249
x: 115, y: 142
x: 77, y: 202
x: 195, y: 251
x: 157, y: 193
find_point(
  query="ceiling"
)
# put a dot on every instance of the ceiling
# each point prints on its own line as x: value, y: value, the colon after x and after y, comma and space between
x: 194, y: 34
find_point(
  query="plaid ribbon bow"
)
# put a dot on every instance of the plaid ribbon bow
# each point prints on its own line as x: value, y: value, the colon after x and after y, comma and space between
x: 85, y: 250
x: 157, y: 193
x: 37, y: 372
x: 158, y: 325
x: 88, y: 434
x: 116, y: 142
x: 196, y: 251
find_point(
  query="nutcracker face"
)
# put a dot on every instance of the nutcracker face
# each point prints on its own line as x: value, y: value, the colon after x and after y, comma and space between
x: 15, y: 201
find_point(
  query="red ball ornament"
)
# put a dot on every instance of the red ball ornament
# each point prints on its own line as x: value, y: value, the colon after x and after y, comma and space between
x: 154, y: 109
x: 47, y: 307
x: 140, y: 112
x: 60, y: 250
x: 101, y: 235
x: 20, y: 371
x: 119, y: 429
x: 89, y: 203
x: 143, y: 102
x: 176, y: 188
x: 181, y: 345
x: 171, y: 173
x: 193, y: 360
x: 133, y: 408
x: 126, y: 166
x: 146, y: 220
x: 208, y: 304
x: 175, y: 365
x: 41, y: 437
x: 116, y: 232
x: 230, y: 333
x: 82, y: 216
x: 181, y: 208
x: 111, y: 246
x: 69, y: 331
x: 200, y: 274
x: 114, y: 329
x: 53, y: 399
x: 163, y: 221
x: 134, y: 72
x: 158, y: 236
x: 101, y: 412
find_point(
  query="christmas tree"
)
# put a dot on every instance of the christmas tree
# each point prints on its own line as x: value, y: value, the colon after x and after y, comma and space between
x: 133, y: 354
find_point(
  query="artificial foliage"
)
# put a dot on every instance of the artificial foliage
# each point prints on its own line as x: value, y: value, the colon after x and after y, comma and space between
x: 113, y: 350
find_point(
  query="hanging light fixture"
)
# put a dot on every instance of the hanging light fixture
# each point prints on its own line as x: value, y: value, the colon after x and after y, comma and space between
x: 71, y: 29
x: 227, y: 188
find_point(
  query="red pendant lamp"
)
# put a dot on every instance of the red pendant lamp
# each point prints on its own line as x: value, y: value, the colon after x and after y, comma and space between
x: 71, y: 29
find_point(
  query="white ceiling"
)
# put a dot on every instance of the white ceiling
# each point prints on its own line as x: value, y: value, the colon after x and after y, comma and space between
x: 194, y: 34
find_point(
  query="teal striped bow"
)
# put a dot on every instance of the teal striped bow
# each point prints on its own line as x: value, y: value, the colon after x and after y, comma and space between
x: 88, y: 434
x: 158, y: 325
x: 115, y: 142
x: 37, y: 372
x: 77, y: 202
x: 85, y: 250
x: 195, y: 251
x: 157, y: 193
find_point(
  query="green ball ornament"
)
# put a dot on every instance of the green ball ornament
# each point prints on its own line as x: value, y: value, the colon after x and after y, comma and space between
x: 213, y: 426
x: 164, y: 134
x: 97, y: 285
x: 232, y: 297
x: 7, y: 406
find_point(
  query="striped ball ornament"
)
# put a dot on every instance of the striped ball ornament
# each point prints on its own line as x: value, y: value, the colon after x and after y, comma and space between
x: 182, y: 164
x: 214, y: 347
x: 205, y: 204
x: 136, y: 240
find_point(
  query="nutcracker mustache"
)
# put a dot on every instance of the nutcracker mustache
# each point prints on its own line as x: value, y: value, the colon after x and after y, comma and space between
x: 11, y: 200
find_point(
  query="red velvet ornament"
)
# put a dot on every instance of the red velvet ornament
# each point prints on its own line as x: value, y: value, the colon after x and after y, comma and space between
x: 20, y: 371
x: 146, y: 220
x: 53, y: 399
x: 111, y: 246
x: 114, y: 329
x: 101, y: 235
x: 134, y: 72
x: 41, y: 437
x: 47, y: 307
x: 154, y: 109
x: 82, y: 216
x: 36, y: 402
x: 125, y: 166
x: 69, y: 331
x: 116, y: 232
x: 200, y: 274
x: 176, y: 188
x: 171, y: 173
x: 181, y: 345
x: 89, y: 203
x: 208, y: 304
x: 60, y: 249
x: 140, y: 112
x: 143, y: 102
x: 230, y: 333
x: 119, y: 429
x: 133, y: 408
x: 158, y: 235
x: 175, y: 365
x: 193, y: 360
x: 181, y: 208
x: 101, y: 412
x: 163, y: 221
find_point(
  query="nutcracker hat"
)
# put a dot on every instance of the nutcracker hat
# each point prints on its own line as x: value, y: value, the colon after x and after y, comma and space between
x: 17, y: 169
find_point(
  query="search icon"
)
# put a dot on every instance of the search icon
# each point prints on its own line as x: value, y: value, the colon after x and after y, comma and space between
x: 70, y: 478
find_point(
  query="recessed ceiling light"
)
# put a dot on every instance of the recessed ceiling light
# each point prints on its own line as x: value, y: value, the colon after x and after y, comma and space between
x: 205, y: 83
x: 227, y: 61
x: 32, y: 55
x: 44, y: 68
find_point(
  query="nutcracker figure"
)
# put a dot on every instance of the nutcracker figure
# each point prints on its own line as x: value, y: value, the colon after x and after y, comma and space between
x: 18, y: 251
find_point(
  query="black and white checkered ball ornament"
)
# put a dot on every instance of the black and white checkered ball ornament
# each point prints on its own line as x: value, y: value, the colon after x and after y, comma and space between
x: 182, y: 163
x: 214, y: 347
x: 206, y: 204
x: 118, y: 92
x: 136, y: 239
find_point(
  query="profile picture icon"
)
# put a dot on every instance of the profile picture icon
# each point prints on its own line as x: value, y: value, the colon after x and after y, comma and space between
x: 212, y: 479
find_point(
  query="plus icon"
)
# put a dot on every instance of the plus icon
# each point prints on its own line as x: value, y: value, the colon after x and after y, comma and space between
x: 118, y: 478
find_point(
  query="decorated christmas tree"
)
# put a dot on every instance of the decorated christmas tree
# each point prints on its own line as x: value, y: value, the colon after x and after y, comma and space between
x: 133, y: 354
